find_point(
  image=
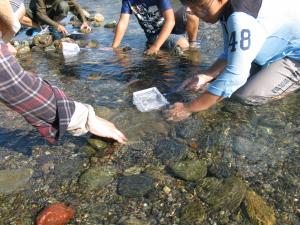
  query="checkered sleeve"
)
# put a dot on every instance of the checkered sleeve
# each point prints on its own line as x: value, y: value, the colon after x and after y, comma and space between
x: 44, y: 106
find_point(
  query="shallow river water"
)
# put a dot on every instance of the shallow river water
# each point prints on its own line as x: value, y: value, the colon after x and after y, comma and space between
x: 137, y: 183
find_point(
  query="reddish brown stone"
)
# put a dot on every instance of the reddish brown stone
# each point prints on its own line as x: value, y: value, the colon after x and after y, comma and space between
x: 55, y: 214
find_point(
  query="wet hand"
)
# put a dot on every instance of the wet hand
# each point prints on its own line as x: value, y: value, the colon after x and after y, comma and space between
x: 62, y: 29
x: 104, y: 128
x: 151, y: 51
x: 194, y: 83
x: 177, y: 112
x: 86, y: 27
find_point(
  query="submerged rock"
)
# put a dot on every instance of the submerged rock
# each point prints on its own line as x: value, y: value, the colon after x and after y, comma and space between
x: 43, y: 40
x: 126, y: 48
x: 132, y: 221
x: 23, y: 49
x: 112, y: 24
x: 98, y: 177
x: 193, y: 213
x: 93, y: 44
x: 190, y: 170
x: 258, y: 210
x: 98, y: 18
x: 169, y: 151
x: 135, y: 185
x: 220, y: 170
x: 227, y: 194
x: 55, y: 214
x: 14, y: 180
x: 97, y: 144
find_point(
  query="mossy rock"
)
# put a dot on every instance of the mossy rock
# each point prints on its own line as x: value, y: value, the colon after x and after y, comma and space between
x: 258, y: 210
x: 193, y: 213
x: 190, y: 170
x: 43, y: 40
x: 98, y: 177
x: 97, y: 144
x: 112, y: 24
x: 227, y: 194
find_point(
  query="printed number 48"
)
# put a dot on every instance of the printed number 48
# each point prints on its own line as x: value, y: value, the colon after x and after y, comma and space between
x: 245, y: 41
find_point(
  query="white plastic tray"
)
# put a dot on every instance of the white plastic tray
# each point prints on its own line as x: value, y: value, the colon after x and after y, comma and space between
x: 149, y: 99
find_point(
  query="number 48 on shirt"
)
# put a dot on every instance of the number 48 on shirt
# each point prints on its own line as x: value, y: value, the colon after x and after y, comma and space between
x: 244, y: 43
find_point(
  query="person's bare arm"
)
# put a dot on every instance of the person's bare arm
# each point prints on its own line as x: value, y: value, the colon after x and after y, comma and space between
x: 164, y: 33
x: 9, y: 25
x: 121, y: 29
x: 180, y: 111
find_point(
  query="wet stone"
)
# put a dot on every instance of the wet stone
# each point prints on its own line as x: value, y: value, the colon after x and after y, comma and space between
x: 193, y: 213
x: 220, y: 170
x: 55, y: 214
x: 98, y: 18
x: 43, y: 40
x: 23, y: 50
x: 126, y: 48
x: 190, y: 170
x: 132, y: 220
x: 189, y: 129
x: 89, y: 150
x: 112, y: 24
x: 14, y: 180
x: 258, y: 210
x: 93, y: 44
x: 98, y: 177
x: 227, y: 194
x: 169, y: 151
x: 135, y: 185
x: 97, y: 144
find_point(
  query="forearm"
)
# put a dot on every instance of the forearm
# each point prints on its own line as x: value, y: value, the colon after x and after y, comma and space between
x: 120, y: 32
x: 203, y: 102
x: 77, y: 10
x: 164, y: 33
x: 9, y: 24
x: 216, y: 69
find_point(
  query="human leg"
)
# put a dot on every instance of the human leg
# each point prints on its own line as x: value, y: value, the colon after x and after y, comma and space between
x: 271, y: 82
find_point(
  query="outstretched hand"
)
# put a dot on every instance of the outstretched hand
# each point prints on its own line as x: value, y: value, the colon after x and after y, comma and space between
x: 104, y: 128
x: 151, y: 51
x: 177, y: 112
x: 195, y: 83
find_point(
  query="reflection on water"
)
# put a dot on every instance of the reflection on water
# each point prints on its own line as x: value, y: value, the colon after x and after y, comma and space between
x: 261, y: 143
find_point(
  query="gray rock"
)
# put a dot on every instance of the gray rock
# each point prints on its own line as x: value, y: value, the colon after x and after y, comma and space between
x: 14, y: 180
x: 169, y: 151
x: 135, y: 185
x: 220, y: 170
x: 190, y: 170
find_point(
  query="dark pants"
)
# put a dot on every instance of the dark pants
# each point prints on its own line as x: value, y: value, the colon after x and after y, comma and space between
x: 59, y: 9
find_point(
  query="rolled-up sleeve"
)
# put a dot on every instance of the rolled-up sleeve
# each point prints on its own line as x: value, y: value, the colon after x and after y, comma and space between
x: 244, y: 37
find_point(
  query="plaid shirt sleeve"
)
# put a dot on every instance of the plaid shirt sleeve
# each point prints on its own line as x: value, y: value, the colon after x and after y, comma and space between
x: 44, y: 106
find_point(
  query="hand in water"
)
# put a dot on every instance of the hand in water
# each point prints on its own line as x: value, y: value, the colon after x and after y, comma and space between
x: 151, y: 51
x: 194, y: 83
x: 177, y: 112
x: 62, y: 29
x: 104, y: 128
x: 85, y: 26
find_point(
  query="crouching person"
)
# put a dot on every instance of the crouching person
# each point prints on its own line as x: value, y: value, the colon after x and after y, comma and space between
x: 44, y: 106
